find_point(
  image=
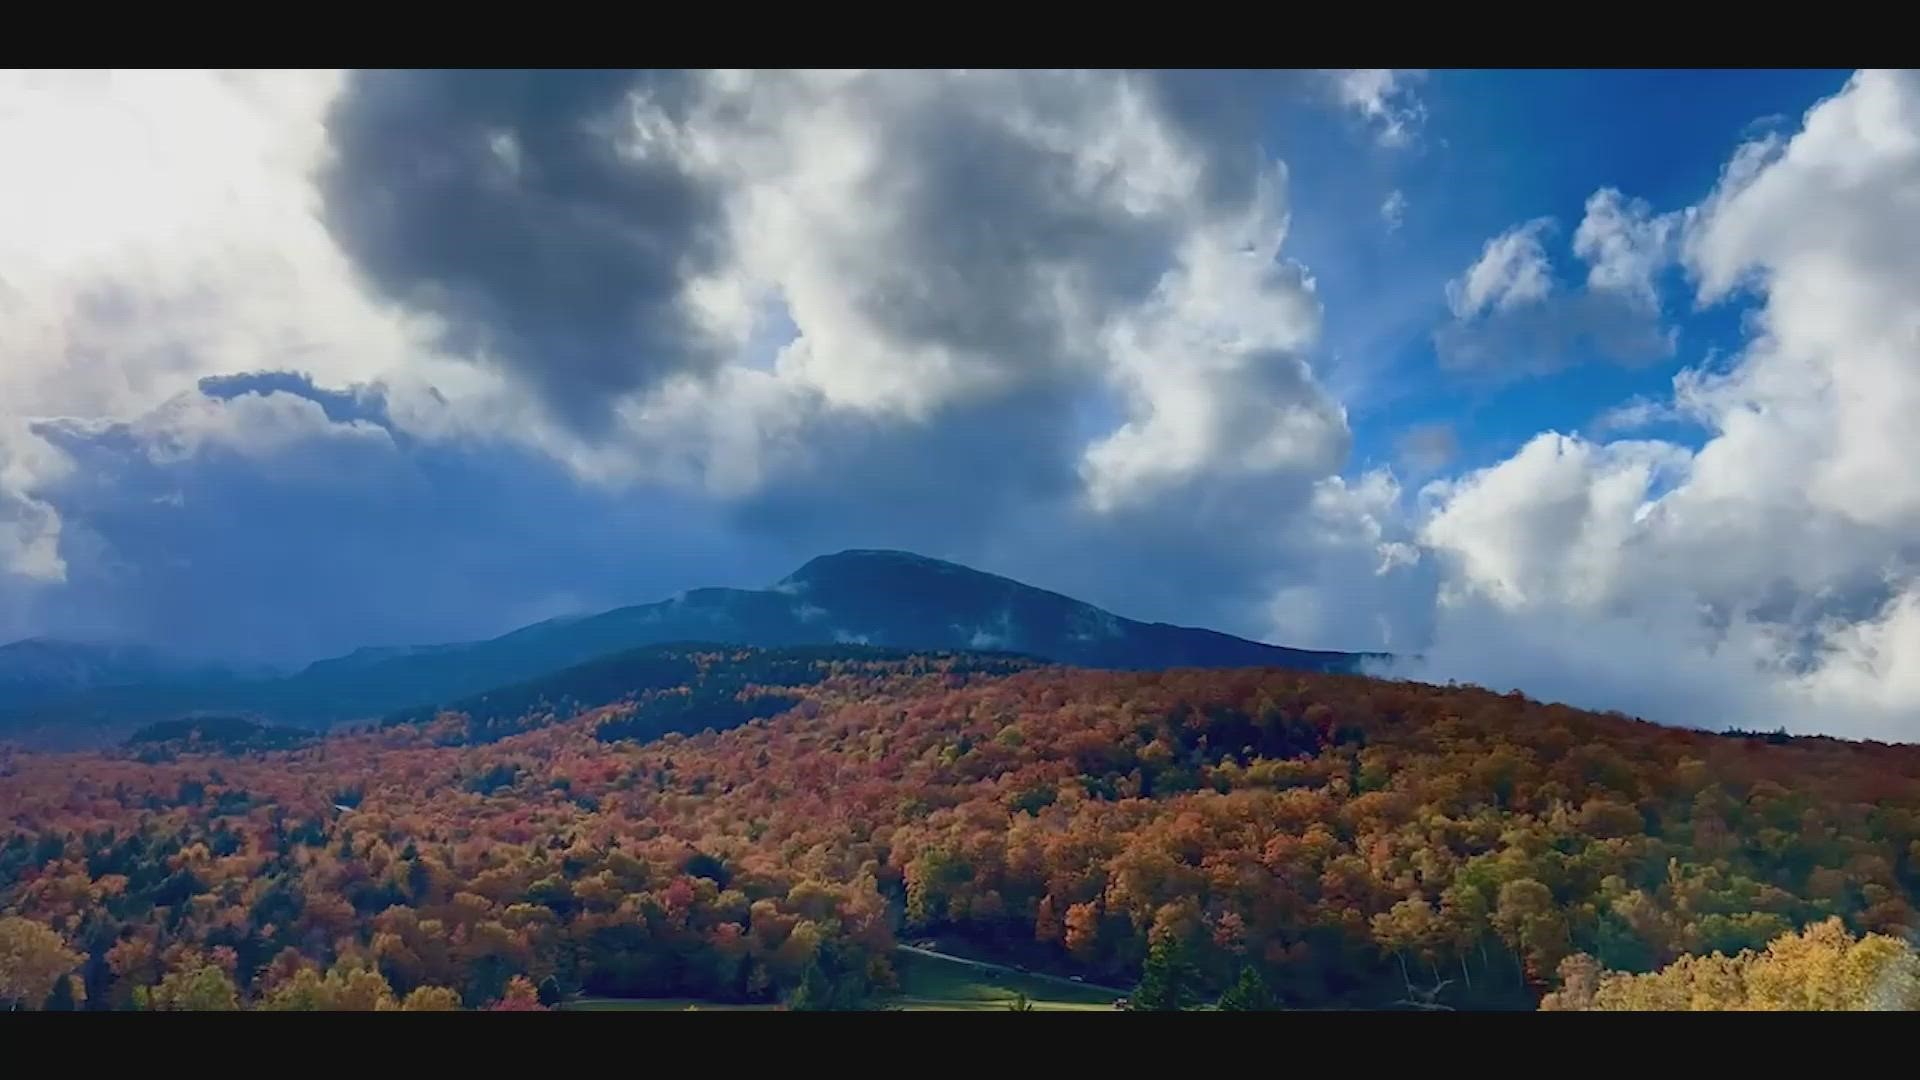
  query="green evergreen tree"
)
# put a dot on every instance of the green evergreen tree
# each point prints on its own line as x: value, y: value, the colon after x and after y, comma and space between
x: 1249, y: 993
x: 1169, y: 982
x: 836, y: 980
x: 814, y: 994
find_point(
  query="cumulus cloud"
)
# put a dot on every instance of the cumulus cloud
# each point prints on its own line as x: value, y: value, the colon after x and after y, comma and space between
x: 1553, y: 522
x: 574, y: 340
x: 1769, y: 578
x: 29, y: 528
x: 1512, y: 271
x: 157, y: 227
x: 1511, y: 317
x: 965, y: 262
x: 1625, y: 245
x: 930, y: 239
x: 242, y: 520
x: 1384, y: 97
x: 798, y: 310
x: 551, y: 221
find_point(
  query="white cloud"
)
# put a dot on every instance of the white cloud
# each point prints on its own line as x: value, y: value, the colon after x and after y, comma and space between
x: 1634, y: 414
x: 1512, y: 270
x: 1384, y: 97
x: 1626, y: 245
x: 1772, y: 577
x: 956, y: 265
x: 1106, y: 257
x: 1369, y: 583
x: 1393, y: 210
x: 1509, y: 316
x: 158, y: 226
x: 247, y: 522
x: 931, y: 240
x: 1551, y: 523
x: 29, y: 528
x: 1215, y: 378
x: 883, y: 277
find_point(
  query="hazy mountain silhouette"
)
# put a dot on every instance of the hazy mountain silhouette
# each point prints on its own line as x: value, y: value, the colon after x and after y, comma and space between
x: 883, y: 598
x: 38, y: 668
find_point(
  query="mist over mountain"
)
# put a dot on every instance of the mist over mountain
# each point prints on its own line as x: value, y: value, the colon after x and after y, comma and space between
x: 38, y: 668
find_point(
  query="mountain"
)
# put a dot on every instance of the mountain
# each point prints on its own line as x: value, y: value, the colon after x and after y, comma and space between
x: 38, y: 668
x: 892, y: 599
x: 907, y: 601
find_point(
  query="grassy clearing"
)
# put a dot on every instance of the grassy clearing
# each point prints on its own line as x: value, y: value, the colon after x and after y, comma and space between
x: 927, y: 984
x: 657, y: 1005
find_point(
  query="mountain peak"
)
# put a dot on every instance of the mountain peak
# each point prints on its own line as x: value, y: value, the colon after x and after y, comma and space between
x: 872, y: 566
x: 864, y: 558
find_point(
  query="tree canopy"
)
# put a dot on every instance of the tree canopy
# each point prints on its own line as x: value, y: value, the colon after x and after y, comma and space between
x: 1246, y: 837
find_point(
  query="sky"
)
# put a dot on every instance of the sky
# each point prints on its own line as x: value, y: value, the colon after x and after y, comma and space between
x: 1598, y: 385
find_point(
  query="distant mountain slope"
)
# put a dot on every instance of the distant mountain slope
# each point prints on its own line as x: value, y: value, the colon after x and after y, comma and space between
x: 687, y: 686
x: 907, y: 601
x: 37, y: 668
x: 882, y: 598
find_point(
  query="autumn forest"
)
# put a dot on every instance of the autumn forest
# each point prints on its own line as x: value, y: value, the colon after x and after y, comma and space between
x: 744, y: 826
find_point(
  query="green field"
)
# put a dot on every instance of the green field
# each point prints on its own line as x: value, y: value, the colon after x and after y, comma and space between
x: 927, y: 984
x: 930, y: 984
x: 657, y: 1005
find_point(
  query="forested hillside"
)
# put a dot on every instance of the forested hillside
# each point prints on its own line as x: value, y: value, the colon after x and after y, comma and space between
x: 1255, y: 837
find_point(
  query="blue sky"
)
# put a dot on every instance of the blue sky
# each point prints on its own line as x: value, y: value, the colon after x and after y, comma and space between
x: 1496, y: 148
x: 298, y: 362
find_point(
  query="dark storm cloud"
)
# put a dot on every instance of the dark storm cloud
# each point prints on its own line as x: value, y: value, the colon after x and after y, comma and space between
x: 338, y: 536
x: 503, y: 203
x: 985, y: 217
x: 944, y: 488
x: 981, y: 216
x: 500, y: 202
x: 1228, y: 114
x: 996, y: 485
x: 987, y: 239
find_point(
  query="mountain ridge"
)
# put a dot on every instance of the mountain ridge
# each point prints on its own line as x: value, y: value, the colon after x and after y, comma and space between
x: 42, y: 665
x: 871, y: 596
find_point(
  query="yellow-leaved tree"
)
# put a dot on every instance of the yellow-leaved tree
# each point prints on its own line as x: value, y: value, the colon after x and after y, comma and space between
x: 198, y: 987
x: 347, y: 988
x: 431, y: 999
x: 33, y: 960
x: 1822, y: 968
